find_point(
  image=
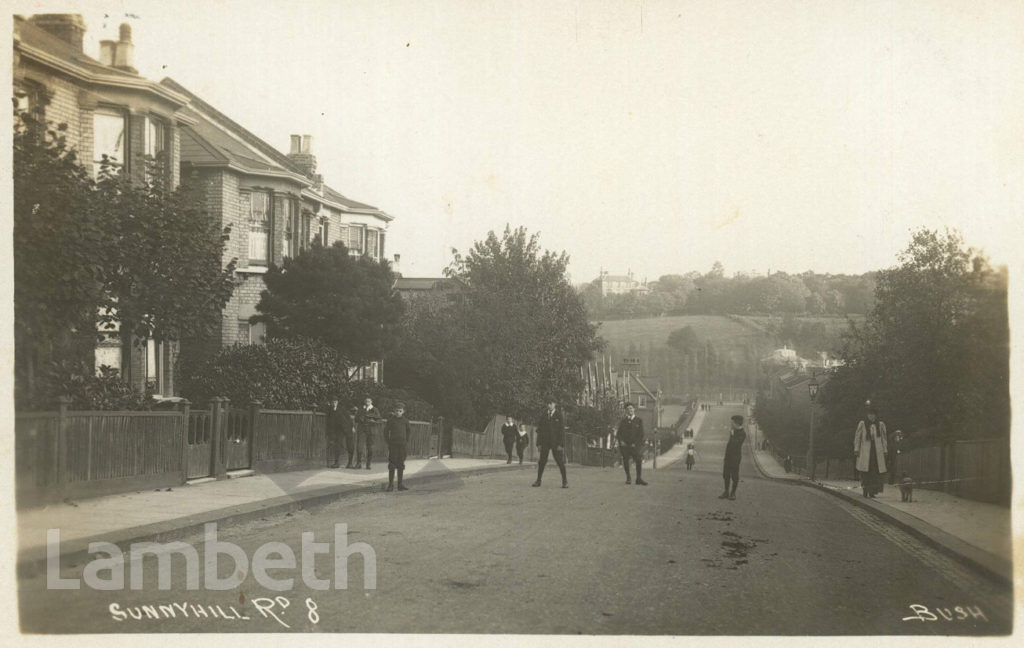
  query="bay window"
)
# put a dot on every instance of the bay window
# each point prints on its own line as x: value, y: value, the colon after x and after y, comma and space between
x: 257, y: 205
x: 108, y: 133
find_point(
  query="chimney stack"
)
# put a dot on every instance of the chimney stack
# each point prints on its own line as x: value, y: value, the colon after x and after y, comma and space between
x: 107, y: 49
x: 301, y: 155
x: 70, y: 28
x: 124, y: 54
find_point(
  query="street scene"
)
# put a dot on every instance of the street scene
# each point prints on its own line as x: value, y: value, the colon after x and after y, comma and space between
x: 653, y: 319
x: 640, y: 557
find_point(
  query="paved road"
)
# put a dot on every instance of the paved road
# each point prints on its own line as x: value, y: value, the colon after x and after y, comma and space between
x: 490, y: 554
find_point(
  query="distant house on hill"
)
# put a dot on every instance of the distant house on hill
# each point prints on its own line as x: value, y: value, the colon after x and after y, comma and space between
x: 621, y: 284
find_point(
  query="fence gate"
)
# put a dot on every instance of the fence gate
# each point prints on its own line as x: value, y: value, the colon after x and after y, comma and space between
x: 237, y: 440
x: 200, y: 444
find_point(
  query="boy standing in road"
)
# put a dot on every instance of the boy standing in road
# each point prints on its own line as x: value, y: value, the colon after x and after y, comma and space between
x: 631, y: 439
x: 551, y: 438
x: 396, y: 434
x: 733, y: 451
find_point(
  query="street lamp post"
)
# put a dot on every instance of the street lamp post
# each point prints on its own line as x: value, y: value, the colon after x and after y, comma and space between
x: 812, y: 387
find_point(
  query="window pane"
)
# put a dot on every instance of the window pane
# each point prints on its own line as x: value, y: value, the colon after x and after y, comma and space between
x: 151, y: 364
x: 154, y: 137
x: 257, y: 203
x: 244, y: 332
x: 371, y: 243
x: 108, y: 138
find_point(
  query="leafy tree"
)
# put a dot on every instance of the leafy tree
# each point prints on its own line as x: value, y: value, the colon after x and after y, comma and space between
x: 515, y: 334
x: 104, y: 254
x: 324, y: 293
x: 934, y: 352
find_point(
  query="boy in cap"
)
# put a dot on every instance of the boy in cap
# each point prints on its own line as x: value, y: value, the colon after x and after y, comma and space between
x: 733, y: 451
x: 396, y: 434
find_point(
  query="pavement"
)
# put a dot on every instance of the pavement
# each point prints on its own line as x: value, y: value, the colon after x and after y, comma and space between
x: 975, y: 533
x: 678, y: 451
x: 167, y: 514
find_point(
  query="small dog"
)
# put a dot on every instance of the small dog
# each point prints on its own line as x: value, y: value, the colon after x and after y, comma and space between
x: 906, y: 488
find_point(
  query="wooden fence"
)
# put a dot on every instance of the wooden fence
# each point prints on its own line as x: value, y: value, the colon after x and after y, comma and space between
x: 976, y: 470
x: 81, y: 454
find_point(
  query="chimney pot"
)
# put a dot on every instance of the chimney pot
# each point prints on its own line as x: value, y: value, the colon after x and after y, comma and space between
x: 307, y: 143
x: 296, y: 144
x: 124, y: 53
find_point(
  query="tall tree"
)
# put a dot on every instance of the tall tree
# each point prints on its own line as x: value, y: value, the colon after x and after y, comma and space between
x: 515, y: 334
x: 104, y: 254
x: 934, y: 351
x: 324, y: 293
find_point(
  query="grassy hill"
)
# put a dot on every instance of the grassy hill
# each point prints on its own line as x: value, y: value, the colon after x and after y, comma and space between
x: 655, y: 330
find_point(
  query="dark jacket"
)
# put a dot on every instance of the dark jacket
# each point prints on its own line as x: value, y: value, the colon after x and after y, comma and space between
x: 631, y: 432
x: 366, y: 418
x: 397, y: 431
x: 551, y: 429
x: 734, y: 448
x: 334, y: 425
x: 509, y: 432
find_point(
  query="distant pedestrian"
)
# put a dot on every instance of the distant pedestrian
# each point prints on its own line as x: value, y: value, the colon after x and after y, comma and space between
x: 788, y: 464
x: 733, y: 452
x: 366, y: 420
x: 551, y: 439
x: 870, y: 446
x: 333, y: 431
x: 348, y: 434
x: 396, y: 434
x: 509, y: 432
x: 522, y: 441
x: 691, y: 457
x: 630, y: 435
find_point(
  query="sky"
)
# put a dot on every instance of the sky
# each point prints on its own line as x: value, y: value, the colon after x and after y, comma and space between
x: 652, y: 137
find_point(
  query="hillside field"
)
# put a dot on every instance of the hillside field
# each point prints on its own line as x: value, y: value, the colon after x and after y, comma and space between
x: 716, y: 328
x: 655, y: 330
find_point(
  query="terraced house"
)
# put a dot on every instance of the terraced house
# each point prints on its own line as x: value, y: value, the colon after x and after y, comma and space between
x: 277, y: 205
x: 109, y: 110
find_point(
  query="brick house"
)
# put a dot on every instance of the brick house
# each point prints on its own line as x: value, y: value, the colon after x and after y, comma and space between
x: 277, y: 206
x: 109, y: 110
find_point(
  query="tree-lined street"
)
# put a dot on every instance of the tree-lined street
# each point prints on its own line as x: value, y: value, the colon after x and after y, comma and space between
x: 490, y: 554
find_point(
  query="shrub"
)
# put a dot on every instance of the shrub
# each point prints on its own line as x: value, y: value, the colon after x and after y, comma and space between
x: 292, y: 374
x: 87, y: 390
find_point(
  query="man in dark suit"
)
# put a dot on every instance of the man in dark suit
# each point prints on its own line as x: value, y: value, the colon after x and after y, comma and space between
x: 733, y: 451
x: 509, y: 432
x: 551, y: 438
x: 631, y: 440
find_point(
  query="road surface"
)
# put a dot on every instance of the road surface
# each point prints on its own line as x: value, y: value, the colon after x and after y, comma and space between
x: 491, y: 554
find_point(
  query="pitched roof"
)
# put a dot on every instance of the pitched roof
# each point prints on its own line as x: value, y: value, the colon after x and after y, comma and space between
x: 41, y: 45
x: 208, y: 111
x: 40, y: 38
x: 334, y: 196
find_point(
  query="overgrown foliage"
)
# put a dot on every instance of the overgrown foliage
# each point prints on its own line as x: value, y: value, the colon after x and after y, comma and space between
x: 349, y: 303
x: 515, y: 334
x: 933, y: 354
x: 289, y: 374
x: 105, y: 254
